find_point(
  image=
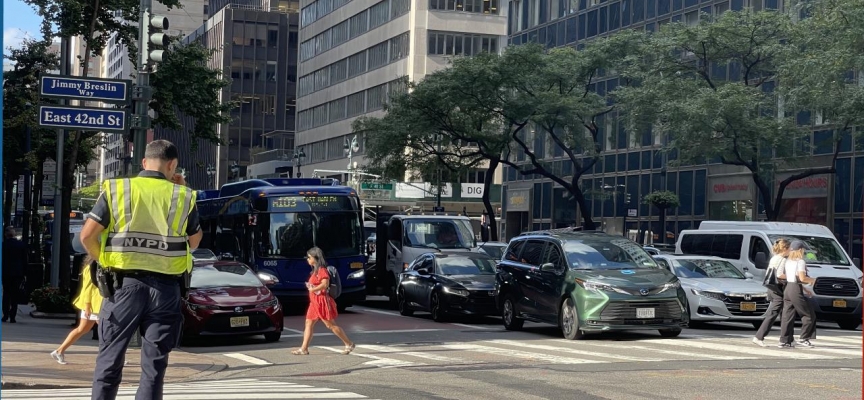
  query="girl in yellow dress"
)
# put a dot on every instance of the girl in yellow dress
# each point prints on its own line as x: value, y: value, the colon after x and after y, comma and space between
x: 89, y: 302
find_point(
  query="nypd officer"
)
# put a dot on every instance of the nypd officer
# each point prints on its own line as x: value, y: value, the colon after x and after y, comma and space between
x: 142, y: 231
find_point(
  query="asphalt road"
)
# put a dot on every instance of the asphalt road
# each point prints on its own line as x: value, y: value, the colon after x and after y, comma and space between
x: 415, y: 358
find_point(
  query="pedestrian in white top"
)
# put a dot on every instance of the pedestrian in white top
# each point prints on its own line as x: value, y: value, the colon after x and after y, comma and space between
x: 777, y: 263
x: 794, y: 300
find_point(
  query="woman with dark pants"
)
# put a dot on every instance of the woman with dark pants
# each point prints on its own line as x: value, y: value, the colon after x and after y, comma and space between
x: 781, y: 251
x: 794, y: 300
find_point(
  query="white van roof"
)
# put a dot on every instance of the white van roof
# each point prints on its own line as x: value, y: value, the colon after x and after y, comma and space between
x: 768, y: 227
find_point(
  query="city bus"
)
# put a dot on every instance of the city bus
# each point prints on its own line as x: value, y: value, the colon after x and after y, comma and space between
x: 270, y: 224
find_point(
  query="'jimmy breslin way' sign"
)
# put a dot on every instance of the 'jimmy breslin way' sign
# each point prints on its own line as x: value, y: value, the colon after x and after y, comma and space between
x: 108, y: 90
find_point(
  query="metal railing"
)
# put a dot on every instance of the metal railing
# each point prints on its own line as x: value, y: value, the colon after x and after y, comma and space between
x: 273, y: 155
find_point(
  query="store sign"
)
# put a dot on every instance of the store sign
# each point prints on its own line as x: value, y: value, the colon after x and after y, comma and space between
x: 419, y: 190
x: 809, y: 187
x: 518, y: 200
x: 472, y: 190
x: 730, y: 188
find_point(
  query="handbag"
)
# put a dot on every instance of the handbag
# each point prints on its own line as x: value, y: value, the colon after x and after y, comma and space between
x: 770, y: 280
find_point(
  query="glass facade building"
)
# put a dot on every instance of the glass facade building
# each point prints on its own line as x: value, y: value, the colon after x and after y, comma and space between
x: 631, y: 164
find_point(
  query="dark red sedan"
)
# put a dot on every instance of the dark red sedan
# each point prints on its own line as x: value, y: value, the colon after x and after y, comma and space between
x: 227, y: 298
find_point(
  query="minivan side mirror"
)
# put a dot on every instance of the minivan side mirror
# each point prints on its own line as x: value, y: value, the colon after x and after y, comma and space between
x: 423, y: 271
x: 761, y: 261
x: 856, y: 262
x: 547, y: 267
x: 748, y: 275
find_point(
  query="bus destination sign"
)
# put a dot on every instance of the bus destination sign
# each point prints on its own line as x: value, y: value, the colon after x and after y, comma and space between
x: 310, y: 203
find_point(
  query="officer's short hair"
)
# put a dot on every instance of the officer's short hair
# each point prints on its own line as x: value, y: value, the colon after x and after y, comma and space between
x: 161, y: 150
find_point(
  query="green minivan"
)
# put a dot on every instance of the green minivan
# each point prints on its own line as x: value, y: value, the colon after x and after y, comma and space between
x: 587, y: 282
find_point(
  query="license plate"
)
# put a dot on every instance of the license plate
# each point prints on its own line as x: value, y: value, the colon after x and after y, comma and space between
x: 237, y: 322
x: 840, y: 303
x: 644, y: 313
x: 748, y: 306
x: 356, y: 265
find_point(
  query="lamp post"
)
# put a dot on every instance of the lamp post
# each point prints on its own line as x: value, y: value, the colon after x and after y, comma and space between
x: 350, y: 148
x: 299, y: 156
x: 211, y: 175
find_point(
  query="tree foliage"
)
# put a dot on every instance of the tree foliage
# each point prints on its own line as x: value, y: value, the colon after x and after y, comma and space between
x: 662, y: 199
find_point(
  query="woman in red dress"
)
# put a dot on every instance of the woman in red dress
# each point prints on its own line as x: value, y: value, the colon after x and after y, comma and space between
x: 321, y: 305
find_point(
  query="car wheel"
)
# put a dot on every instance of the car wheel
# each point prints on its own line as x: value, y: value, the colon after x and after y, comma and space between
x: 438, y: 314
x: 670, y: 333
x: 403, y: 303
x: 272, y: 336
x: 569, y: 321
x: 509, y: 315
x: 849, y: 324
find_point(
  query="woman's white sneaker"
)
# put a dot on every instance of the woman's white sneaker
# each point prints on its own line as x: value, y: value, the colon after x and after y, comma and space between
x: 758, y: 342
x: 58, y: 357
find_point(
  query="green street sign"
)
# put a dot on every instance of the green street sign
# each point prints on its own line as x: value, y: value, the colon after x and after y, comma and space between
x: 376, y: 186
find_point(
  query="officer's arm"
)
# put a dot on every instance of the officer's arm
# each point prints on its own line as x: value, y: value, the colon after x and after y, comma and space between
x: 90, y: 238
x: 193, y: 229
x: 195, y: 240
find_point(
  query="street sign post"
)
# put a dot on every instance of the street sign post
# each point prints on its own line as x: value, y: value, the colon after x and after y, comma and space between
x: 93, y: 89
x: 95, y: 119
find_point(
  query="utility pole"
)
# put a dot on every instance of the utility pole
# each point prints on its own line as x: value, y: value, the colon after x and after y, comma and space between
x: 438, y: 195
x: 65, y: 70
x: 151, y: 41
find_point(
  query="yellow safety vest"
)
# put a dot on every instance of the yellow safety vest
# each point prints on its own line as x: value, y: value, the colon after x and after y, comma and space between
x: 147, y: 230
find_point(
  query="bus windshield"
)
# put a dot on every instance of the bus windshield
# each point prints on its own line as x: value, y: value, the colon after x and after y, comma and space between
x: 439, y: 234
x: 290, y: 235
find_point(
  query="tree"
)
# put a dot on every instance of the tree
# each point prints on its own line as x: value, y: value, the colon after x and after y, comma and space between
x: 662, y: 200
x: 715, y: 90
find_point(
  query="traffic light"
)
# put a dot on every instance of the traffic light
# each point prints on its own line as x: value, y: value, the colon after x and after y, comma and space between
x: 627, y: 198
x: 153, y: 40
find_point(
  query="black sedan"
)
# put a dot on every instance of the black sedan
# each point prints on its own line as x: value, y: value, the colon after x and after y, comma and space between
x: 448, y: 283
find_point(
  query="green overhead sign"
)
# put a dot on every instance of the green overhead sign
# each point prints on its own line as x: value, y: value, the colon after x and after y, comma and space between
x: 376, y: 186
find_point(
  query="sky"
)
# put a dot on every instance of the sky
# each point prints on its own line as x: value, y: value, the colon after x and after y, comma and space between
x: 19, y: 22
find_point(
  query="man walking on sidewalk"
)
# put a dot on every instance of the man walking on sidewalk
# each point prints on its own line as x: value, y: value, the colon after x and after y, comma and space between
x: 14, y: 261
x: 147, y: 225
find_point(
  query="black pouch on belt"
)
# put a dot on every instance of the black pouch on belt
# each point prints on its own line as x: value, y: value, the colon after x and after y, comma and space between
x: 105, y: 282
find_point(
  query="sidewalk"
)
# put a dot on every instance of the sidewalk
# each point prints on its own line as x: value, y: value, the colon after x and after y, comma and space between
x: 26, y: 360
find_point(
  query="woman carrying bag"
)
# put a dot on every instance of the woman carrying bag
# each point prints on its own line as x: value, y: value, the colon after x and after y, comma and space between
x: 321, y: 304
x: 794, y: 300
x: 89, y: 301
x: 775, y: 286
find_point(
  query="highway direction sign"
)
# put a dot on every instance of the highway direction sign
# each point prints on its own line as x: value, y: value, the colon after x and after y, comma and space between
x: 96, y: 119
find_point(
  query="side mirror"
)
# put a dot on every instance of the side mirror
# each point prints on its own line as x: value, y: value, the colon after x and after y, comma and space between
x: 547, y: 267
x: 761, y: 261
x: 856, y: 262
x: 748, y: 275
x: 268, y: 279
x: 423, y: 271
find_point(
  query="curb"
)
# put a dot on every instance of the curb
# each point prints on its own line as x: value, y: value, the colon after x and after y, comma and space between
x: 39, y: 314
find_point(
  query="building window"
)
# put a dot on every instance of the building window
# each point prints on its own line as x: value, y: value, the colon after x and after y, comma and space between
x: 376, y: 97
x: 371, y: 18
x: 379, y: 14
x: 357, y: 64
x: 448, y: 43
x: 356, y: 104
x: 337, y: 109
x: 359, y: 24
x: 378, y: 56
x: 399, y: 47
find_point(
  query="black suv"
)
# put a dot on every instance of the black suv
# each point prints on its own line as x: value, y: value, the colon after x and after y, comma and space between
x: 587, y: 281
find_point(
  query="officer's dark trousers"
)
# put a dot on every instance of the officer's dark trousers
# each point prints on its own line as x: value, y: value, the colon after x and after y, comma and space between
x: 775, y: 307
x: 152, y: 305
x: 794, y: 303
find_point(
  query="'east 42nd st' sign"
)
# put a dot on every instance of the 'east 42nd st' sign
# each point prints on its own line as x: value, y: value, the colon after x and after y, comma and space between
x: 95, y: 119
x: 107, y: 90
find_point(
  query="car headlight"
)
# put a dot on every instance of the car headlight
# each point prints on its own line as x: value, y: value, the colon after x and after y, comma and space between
x: 271, y: 303
x: 598, y: 287
x: 710, y: 295
x: 357, y: 274
x: 670, y: 285
x: 196, y: 307
x: 458, y: 292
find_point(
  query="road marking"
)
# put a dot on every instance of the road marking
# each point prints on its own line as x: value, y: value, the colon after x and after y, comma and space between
x: 426, y: 355
x: 380, y: 362
x: 571, y: 351
x: 850, y: 352
x: 371, y: 332
x: 249, y: 359
x: 395, y: 314
x: 855, y: 341
x: 470, y: 326
x: 517, y: 354
x: 753, y: 349
x: 846, y: 331
x: 237, y: 389
x: 686, y: 355
x: 293, y: 330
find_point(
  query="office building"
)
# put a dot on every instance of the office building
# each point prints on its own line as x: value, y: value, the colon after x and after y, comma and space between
x: 354, y: 53
x: 255, y: 46
x: 631, y: 165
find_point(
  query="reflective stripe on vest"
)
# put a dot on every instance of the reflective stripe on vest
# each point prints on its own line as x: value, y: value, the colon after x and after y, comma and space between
x: 147, y: 231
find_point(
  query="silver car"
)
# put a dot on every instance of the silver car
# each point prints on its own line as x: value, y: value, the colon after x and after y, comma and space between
x: 716, y: 290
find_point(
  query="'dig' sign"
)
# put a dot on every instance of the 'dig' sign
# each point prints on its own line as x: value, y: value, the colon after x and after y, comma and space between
x: 472, y: 190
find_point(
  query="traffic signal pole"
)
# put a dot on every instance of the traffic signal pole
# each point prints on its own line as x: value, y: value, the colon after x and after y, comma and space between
x: 150, y: 41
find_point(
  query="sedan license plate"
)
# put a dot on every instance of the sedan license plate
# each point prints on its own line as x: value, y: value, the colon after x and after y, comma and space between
x: 748, y: 306
x: 644, y: 313
x: 237, y: 322
x: 840, y: 303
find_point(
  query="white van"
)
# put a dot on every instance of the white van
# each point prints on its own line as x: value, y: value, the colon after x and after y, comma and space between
x: 747, y: 245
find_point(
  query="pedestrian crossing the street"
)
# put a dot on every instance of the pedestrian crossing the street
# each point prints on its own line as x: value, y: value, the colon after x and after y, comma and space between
x: 729, y: 347
x: 231, y: 389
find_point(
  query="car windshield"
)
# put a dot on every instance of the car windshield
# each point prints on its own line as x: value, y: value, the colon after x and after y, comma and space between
x: 494, y: 251
x: 290, y: 235
x: 818, y: 250
x: 202, y: 254
x: 466, y: 266
x: 695, y: 268
x: 439, y: 234
x: 607, y: 254
x: 230, y: 275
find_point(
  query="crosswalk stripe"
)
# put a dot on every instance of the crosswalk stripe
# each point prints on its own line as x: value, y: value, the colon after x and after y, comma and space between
x: 517, y: 354
x: 571, y: 351
x: 381, y: 362
x: 858, y: 341
x: 682, y: 355
x: 201, y: 390
x: 248, y: 359
x: 418, y: 354
x: 848, y: 352
x: 738, y: 349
